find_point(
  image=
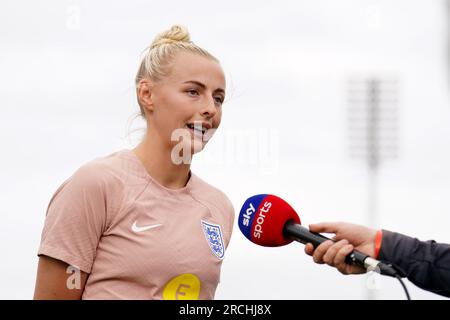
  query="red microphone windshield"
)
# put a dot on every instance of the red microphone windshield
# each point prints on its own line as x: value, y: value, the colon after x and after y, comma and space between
x: 262, y: 219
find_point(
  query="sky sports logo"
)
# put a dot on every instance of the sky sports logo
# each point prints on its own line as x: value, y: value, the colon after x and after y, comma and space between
x: 263, y: 217
x: 253, y: 215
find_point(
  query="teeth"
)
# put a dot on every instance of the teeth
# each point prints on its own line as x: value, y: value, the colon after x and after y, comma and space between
x: 191, y: 126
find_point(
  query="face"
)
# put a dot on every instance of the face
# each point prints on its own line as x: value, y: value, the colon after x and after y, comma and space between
x: 189, y: 98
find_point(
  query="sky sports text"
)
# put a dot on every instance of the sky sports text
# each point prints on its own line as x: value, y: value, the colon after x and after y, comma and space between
x: 259, y: 221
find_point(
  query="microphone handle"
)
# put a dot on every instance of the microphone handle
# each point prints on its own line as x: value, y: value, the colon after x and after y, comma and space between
x: 301, y: 234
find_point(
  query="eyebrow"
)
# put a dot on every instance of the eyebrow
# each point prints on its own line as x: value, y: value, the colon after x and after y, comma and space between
x: 203, y: 85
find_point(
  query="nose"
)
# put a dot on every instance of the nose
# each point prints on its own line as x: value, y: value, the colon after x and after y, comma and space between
x: 209, y: 109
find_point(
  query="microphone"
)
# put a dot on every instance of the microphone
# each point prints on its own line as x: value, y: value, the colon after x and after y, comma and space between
x: 269, y: 221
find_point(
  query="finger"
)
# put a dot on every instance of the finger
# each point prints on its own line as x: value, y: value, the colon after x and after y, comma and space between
x: 328, y: 227
x: 337, y: 237
x: 309, y: 249
x: 321, y: 250
x: 339, y: 259
x: 330, y: 255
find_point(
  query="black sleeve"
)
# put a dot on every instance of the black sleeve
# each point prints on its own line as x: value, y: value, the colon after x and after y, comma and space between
x: 424, y: 263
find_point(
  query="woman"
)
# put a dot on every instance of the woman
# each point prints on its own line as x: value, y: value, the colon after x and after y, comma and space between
x: 138, y: 224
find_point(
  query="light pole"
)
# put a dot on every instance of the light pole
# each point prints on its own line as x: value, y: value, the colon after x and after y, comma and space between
x: 372, y: 122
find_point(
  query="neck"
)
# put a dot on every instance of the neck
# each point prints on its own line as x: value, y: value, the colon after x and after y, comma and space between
x: 156, y: 158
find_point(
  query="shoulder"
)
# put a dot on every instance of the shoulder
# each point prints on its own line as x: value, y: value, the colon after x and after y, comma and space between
x: 213, y: 196
x: 97, y: 184
x: 101, y: 170
x: 99, y: 178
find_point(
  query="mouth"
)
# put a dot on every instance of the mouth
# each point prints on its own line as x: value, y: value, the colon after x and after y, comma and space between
x: 198, y: 128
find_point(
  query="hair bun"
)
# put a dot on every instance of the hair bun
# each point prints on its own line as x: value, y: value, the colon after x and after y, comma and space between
x: 176, y: 33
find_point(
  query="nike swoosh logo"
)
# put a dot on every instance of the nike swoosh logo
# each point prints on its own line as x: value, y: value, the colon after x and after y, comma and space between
x: 138, y: 229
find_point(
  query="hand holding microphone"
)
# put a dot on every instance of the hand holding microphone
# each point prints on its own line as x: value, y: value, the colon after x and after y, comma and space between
x: 268, y: 220
x: 348, y: 237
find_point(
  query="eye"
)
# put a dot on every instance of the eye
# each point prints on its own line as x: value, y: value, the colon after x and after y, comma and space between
x: 192, y: 92
x: 219, y: 100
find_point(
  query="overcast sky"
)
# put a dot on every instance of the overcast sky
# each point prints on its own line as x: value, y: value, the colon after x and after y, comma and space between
x: 67, y: 97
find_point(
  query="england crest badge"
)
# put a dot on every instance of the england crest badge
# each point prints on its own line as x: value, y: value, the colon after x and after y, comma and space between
x: 213, y: 235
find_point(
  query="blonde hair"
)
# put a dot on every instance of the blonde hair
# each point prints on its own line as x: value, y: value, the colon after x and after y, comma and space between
x: 155, y: 63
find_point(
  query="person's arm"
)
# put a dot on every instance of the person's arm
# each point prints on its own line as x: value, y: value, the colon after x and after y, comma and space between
x: 55, y: 280
x: 76, y: 218
x: 424, y: 263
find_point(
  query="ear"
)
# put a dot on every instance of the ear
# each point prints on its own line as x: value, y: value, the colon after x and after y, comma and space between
x: 144, y: 94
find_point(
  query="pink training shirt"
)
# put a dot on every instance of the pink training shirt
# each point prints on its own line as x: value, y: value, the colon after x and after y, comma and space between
x: 136, y: 238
